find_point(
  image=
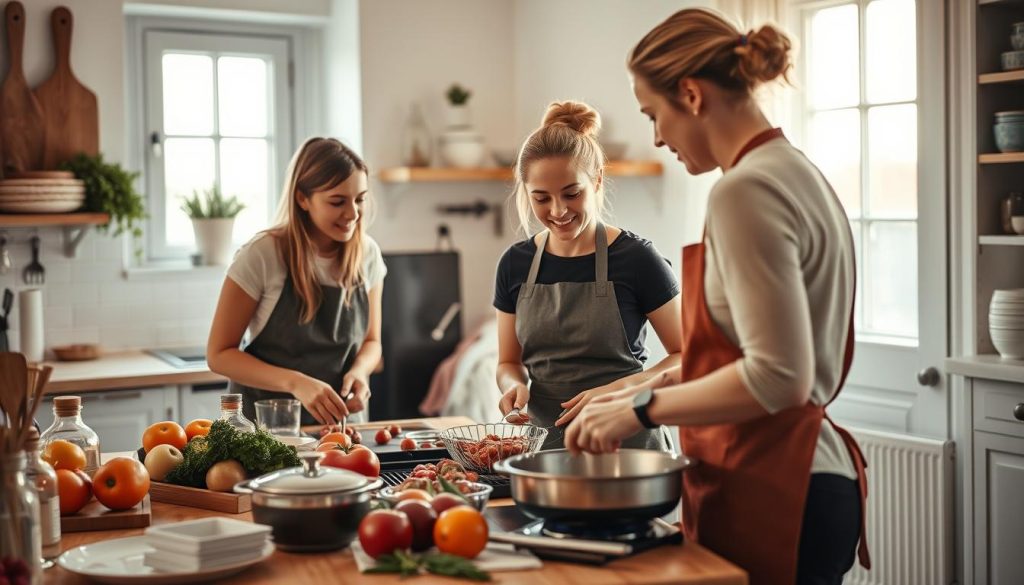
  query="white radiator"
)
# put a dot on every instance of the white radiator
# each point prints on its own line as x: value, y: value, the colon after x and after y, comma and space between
x: 910, y: 516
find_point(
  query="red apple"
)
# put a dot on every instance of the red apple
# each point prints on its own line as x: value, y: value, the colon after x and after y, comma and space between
x: 422, y: 516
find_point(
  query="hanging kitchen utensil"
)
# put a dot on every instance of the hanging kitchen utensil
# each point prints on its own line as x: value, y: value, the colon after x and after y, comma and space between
x: 5, y: 256
x: 5, y: 324
x: 71, y: 113
x: 21, y: 114
x: 13, y: 382
x: 34, y: 273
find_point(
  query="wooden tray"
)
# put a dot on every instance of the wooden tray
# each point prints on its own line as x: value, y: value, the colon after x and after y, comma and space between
x: 227, y: 502
x: 96, y: 516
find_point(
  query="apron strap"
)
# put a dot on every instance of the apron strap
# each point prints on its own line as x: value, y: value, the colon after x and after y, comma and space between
x: 601, y: 256
x: 531, y: 279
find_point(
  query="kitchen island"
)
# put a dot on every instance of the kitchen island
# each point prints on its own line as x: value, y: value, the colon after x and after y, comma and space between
x: 688, y: 563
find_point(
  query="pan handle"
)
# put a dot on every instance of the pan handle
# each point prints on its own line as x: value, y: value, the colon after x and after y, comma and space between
x: 502, y: 468
x: 243, y: 487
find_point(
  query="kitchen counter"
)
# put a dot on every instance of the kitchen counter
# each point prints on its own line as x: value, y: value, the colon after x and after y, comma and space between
x: 125, y: 369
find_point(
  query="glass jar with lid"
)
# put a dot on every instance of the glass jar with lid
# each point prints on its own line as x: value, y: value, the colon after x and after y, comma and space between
x: 42, y: 475
x: 20, y: 536
x: 69, y: 426
x: 231, y: 411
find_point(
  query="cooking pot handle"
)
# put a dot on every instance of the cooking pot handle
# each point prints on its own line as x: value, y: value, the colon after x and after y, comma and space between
x: 501, y: 468
x: 242, y: 487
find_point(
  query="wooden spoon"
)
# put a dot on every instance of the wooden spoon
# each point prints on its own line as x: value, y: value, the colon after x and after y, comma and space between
x: 13, y: 378
x: 40, y: 380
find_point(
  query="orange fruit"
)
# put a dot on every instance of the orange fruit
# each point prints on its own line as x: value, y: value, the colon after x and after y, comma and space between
x: 198, y: 428
x: 121, y: 483
x: 414, y: 494
x: 461, y: 531
x: 63, y: 454
x: 164, y: 433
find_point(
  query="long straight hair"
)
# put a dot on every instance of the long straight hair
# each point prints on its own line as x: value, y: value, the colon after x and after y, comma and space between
x: 319, y: 165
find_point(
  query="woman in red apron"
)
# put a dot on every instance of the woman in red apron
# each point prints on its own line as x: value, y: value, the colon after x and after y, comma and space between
x: 768, y: 298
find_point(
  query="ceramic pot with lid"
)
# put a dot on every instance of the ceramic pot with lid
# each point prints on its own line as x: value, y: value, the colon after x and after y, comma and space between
x: 310, y: 508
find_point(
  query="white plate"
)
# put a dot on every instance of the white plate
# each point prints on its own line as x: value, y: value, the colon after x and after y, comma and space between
x: 300, y: 443
x: 120, y: 561
x: 206, y: 534
x: 39, y: 206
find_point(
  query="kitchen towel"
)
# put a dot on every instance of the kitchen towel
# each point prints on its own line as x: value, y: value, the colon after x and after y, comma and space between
x: 498, y: 556
x: 30, y: 317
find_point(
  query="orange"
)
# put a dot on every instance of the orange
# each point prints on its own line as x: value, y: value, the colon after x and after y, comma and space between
x: 340, y: 438
x: 121, y: 483
x: 197, y: 428
x: 63, y: 454
x: 164, y: 433
x: 75, y: 490
x: 461, y: 531
x: 414, y: 494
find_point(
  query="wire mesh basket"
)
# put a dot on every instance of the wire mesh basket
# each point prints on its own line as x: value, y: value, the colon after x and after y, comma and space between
x: 479, y: 447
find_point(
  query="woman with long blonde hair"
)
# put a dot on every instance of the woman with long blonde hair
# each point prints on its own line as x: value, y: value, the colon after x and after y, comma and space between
x: 308, y: 291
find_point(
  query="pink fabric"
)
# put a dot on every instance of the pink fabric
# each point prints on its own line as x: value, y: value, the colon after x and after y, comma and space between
x: 441, y: 382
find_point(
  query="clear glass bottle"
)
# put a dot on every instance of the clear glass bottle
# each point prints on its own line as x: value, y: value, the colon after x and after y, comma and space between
x: 231, y: 411
x: 20, y: 535
x: 42, y: 475
x: 68, y: 425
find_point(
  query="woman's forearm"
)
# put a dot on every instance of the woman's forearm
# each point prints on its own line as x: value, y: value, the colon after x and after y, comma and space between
x: 510, y: 375
x: 720, y: 397
x: 662, y: 373
x: 251, y: 371
x: 367, y: 358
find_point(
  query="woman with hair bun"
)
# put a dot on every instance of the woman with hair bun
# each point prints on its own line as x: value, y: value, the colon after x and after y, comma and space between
x: 767, y: 318
x: 573, y: 300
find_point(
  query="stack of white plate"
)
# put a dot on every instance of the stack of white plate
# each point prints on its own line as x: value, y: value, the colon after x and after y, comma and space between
x: 202, y: 545
x: 58, y: 192
x: 1006, y: 322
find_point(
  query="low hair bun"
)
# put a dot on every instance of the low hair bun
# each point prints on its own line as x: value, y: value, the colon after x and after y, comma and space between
x: 576, y: 115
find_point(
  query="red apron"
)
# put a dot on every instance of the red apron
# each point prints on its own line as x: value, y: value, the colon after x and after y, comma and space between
x: 746, y: 498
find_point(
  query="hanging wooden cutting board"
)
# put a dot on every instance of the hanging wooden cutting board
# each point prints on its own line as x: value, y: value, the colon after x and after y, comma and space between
x: 21, y: 115
x: 70, y: 111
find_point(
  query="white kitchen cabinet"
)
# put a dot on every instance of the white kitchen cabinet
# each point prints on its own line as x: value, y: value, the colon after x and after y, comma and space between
x: 120, y: 417
x: 998, y: 509
x: 201, y: 400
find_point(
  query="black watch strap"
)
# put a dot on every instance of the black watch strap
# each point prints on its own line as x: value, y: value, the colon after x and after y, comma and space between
x: 640, y: 404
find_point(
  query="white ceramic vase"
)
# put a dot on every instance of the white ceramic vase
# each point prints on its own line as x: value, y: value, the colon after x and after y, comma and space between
x: 213, y: 239
x: 458, y: 116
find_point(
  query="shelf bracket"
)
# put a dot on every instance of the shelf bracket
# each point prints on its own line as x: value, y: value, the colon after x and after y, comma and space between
x: 73, y: 235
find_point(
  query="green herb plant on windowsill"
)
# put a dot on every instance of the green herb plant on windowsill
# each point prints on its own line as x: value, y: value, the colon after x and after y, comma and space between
x: 213, y: 220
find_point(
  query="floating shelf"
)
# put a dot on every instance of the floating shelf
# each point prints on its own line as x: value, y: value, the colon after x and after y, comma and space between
x: 1002, y: 77
x: 74, y: 225
x: 987, y: 366
x: 619, y: 168
x: 1001, y: 240
x: 1001, y: 158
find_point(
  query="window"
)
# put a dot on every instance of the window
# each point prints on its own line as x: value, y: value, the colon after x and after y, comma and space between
x: 859, y: 121
x: 217, y: 112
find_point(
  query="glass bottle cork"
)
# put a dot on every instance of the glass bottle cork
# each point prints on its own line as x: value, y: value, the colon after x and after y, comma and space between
x: 42, y: 475
x: 231, y: 411
x: 68, y: 425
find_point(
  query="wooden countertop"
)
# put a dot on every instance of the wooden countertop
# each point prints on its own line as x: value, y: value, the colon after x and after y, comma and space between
x: 125, y: 369
x: 688, y: 563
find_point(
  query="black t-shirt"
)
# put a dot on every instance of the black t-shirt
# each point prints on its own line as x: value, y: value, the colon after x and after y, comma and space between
x: 643, y: 279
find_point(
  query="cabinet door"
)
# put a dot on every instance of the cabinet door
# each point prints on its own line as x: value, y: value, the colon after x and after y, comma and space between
x: 201, y: 401
x: 120, y: 417
x: 998, y: 509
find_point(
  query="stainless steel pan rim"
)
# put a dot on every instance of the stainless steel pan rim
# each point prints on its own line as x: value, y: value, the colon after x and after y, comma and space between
x: 650, y: 464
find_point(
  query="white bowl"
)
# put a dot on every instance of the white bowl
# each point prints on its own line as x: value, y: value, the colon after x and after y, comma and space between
x: 300, y: 443
x: 463, y: 154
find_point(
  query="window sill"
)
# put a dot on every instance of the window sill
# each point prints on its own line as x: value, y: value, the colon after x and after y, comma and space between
x: 173, y: 271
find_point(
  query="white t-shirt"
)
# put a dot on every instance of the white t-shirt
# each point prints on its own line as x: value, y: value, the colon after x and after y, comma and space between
x: 260, y: 271
x: 779, y: 278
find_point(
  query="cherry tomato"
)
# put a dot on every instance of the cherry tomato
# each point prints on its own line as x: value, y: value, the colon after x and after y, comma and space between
x: 383, y: 437
x: 75, y: 490
x: 200, y: 427
x: 164, y: 433
x: 63, y: 454
x: 461, y: 531
x: 385, y: 531
x: 357, y: 458
x: 407, y: 444
x: 394, y: 430
x: 121, y: 483
x: 424, y: 445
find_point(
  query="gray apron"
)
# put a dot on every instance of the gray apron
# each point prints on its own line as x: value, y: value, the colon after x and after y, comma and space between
x: 573, y: 340
x: 323, y: 349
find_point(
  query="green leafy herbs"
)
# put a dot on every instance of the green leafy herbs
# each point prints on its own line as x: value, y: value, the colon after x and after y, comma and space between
x: 211, y: 204
x: 110, y: 189
x: 451, y: 488
x: 458, y: 95
x: 258, y: 452
x: 446, y: 565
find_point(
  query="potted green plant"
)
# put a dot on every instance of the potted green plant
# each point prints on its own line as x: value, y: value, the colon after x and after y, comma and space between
x: 458, y: 106
x: 110, y: 189
x: 461, y: 145
x: 213, y: 221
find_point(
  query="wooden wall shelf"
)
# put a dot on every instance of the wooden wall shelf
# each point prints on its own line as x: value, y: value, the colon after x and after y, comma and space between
x: 1001, y: 240
x: 1001, y: 158
x: 619, y: 168
x: 74, y: 225
x: 1002, y: 77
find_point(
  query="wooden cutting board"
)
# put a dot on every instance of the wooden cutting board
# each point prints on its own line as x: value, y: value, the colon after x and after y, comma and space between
x: 21, y: 115
x: 71, y: 116
x: 180, y: 495
x: 96, y: 516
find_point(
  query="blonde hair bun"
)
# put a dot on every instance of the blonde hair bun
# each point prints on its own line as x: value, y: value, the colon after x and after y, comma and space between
x: 576, y: 115
x: 765, y: 56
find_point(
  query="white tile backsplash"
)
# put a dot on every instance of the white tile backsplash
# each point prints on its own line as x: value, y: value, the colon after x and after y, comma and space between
x: 88, y: 300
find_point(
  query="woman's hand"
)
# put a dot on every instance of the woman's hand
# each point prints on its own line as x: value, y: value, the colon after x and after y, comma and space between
x: 357, y: 384
x: 606, y: 392
x: 603, y: 424
x: 516, y: 397
x: 319, y: 399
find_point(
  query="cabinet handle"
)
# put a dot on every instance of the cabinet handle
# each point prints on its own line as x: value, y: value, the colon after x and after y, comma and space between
x: 1018, y: 411
x: 170, y: 413
x: 122, y: 396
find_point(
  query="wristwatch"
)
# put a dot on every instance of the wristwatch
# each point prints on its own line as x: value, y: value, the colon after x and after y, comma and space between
x: 640, y: 404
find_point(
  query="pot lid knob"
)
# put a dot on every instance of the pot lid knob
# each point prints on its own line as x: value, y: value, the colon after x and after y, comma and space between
x: 310, y: 462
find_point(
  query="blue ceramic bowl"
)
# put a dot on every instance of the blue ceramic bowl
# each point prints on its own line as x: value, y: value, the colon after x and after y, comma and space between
x: 1009, y: 136
x: 1013, y: 60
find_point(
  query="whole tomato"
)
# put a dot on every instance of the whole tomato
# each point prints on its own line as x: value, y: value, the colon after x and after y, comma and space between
x: 340, y: 438
x: 461, y: 531
x: 63, y: 454
x: 422, y: 517
x: 407, y: 444
x: 382, y: 437
x: 74, y: 489
x: 200, y: 427
x: 121, y: 483
x: 167, y: 432
x: 385, y: 531
x: 357, y: 458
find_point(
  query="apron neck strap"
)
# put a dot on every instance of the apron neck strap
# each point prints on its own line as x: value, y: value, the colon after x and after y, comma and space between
x: 601, y: 259
x: 758, y: 140
x: 531, y: 279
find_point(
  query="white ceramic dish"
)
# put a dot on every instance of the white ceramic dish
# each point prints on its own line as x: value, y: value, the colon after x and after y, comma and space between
x: 121, y: 561
x: 168, y: 562
x: 207, y: 534
x: 39, y: 206
x: 300, y: 443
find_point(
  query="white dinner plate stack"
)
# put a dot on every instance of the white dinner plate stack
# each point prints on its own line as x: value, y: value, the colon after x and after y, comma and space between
x: 202, y: 545
x: 1006, y: 322
x: 57, y: 193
